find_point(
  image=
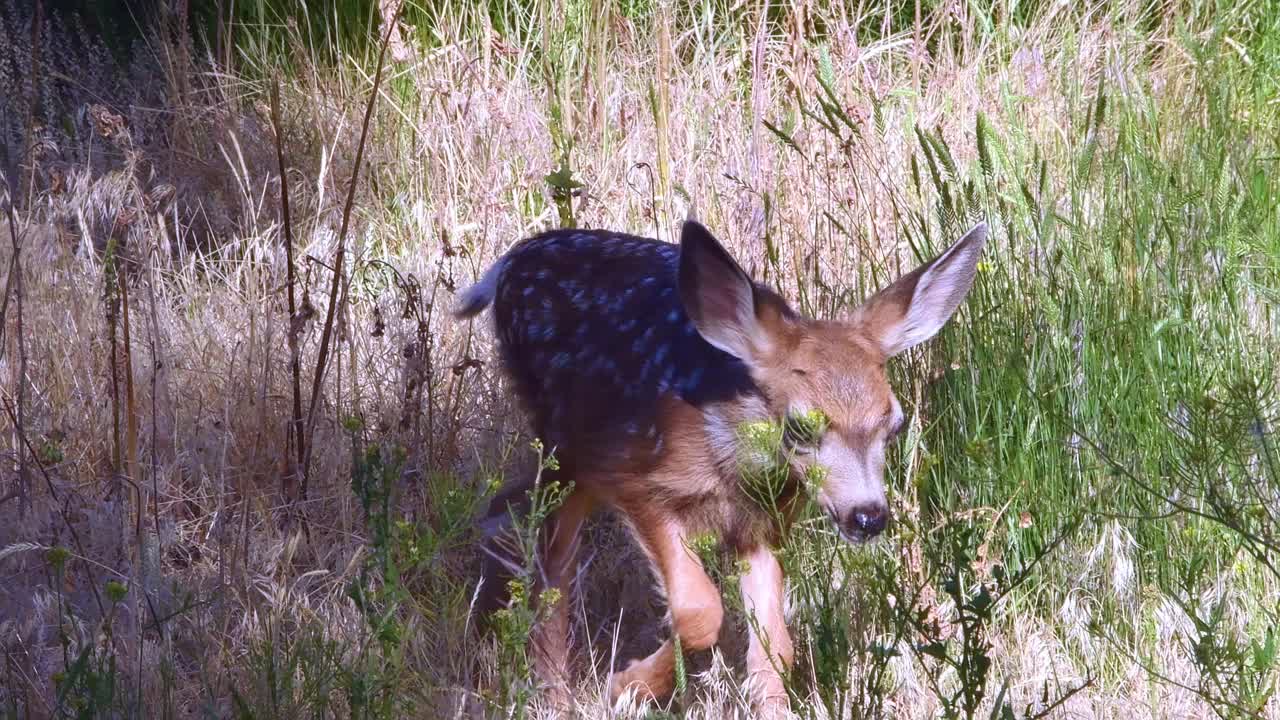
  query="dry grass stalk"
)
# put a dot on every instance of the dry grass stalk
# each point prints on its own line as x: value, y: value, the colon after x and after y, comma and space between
x: 296, y: 436
x: 130, y: 467
x: 662, y: 109
x: 340, y: 256
x: 13, y: 288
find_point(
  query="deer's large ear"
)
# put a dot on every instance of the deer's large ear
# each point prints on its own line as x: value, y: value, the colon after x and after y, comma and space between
x: 916, y: 306
x: 719, y: 296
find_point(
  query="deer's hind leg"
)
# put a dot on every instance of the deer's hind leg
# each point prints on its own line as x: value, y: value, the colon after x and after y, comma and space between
x: 695, y: 608
x: 558, y: 567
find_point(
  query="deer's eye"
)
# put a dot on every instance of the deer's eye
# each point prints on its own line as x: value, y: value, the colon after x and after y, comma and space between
x: 804, y: 430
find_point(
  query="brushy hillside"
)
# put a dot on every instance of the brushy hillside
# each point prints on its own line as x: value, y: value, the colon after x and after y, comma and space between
x: 234, y: 487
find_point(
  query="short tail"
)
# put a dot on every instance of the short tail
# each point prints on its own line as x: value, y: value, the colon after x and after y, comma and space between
x: 476, y: 298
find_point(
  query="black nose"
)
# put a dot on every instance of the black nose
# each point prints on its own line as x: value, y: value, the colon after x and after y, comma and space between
x: 867, y: 521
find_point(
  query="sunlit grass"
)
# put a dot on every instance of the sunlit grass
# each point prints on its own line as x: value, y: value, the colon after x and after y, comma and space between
x: 1086, y: 497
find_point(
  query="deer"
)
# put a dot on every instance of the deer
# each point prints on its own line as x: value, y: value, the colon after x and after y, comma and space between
x: 637, y: 360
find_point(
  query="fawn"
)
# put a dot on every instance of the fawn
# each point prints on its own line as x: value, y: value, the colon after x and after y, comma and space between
x: 638, y: 361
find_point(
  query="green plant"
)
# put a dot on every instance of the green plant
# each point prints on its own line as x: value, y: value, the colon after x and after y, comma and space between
x: 528, y: 602
x: 373, y: 680
x: 89, y: 685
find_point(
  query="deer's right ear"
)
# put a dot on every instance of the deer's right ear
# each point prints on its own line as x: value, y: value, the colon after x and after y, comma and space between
x: 719, y: 296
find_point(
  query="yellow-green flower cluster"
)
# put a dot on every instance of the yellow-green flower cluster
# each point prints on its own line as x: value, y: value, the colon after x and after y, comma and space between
x: 764, y: 454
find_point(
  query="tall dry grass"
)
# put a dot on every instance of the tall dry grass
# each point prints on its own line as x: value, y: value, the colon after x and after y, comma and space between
x: 154, y: 447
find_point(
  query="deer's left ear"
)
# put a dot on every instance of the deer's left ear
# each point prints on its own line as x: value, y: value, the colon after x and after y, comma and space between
x: 916, y: 306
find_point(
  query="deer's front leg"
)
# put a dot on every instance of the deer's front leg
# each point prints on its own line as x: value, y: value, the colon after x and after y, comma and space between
x: 695, y: 607
x: 770, y: 650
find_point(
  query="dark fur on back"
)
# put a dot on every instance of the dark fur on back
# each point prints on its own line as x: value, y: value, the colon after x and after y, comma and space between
x: 592, y: 332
